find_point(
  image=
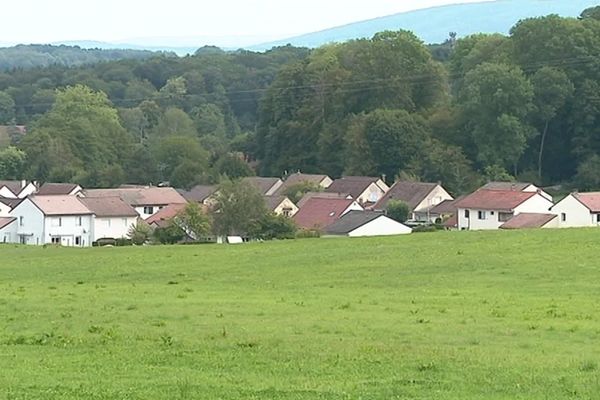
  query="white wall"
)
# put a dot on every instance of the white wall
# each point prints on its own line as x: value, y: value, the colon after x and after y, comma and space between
x: 325, y: 183
x: 8, y: 234
x: 5, y: 192
x: 30, y: 223
x: 28, y: 190
x: 577, y: 215
x: 143, y: 215
x: 382, y: 226
x: 537, y: 204
x: 4, y: 210
x: 286, y: 204
x: 353, y: 207
x: 373, y: 194
x: 112, y: 228
x: 69, y: 230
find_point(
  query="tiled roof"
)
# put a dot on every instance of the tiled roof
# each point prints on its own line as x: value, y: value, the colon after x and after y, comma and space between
x: 412, y: 193
x: 12, y: 203
x: 13, y: 186
x: 319, y: 213
x: 273, y: 202
x: 355, y: 185
x: 198, y: 193
x: 48, y: 189
x: 505, y: 186
x: 108, y: 207
x: 446, y: 207
x: 166, y: 214
x: 264, y: 185
x: 4, y: 222
x: 322, y: 195
x: 138, y: 197
x: 298, y: 178
x: 493, y: 200
x: 352, y: 221
x: 528, y: 221
x: 60, y: 205
x: 590, y: 200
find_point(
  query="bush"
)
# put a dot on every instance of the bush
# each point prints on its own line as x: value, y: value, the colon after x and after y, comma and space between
x: 398, y: 211
x: 273, y: 226
x: 308, y: 234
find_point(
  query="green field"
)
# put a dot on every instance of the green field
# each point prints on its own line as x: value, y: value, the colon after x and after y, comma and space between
x: 499, y: 315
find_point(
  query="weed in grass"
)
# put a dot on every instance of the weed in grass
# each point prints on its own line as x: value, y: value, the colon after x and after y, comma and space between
x: 588, y: 366
x: 167, y: 340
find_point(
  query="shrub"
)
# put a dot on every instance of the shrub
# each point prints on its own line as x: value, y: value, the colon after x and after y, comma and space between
x: 398, y: 210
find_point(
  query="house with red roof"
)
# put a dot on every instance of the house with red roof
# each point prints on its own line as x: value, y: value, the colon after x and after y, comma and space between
x: 490, y: 209
x: 318, y: 213
x: 578, y: 210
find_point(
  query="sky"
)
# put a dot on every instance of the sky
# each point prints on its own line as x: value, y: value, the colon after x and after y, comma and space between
x: 158, y: 21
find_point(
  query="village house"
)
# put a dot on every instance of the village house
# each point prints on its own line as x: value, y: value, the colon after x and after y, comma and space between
x: 532, y: 221
x: 490, y: 209
x: 146, y: 201
x: 59, y: 189
x: 366, y: 223
x: 112, y: 217
x: 366, y: 190
x: 516, y: 186
x: 318, y: 181
x: 578, y: 210
x: 322, y: 195
x: 420, y: 197
x: 319, y: 213
x: 266, y: 186
x: 61, y: 220
x: 7, y: 230
x: 446, y: 213
x: 163, y: 218
x: 281, y: 205
x: 201, y: 194
x: 16, y: 189
x: 6, y: 206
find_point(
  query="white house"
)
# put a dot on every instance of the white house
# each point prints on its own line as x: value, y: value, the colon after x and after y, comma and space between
x: 62, y: 220
x: 16, y: 189
x: 112, y: 217
x: 517, y: 186
x: 578, y: 210
x: 281, y: 205
x: 8, y: 229
x: 366, y: 223
x: 366, y: 190
x: 490, y: 209
x: 421, y: 198
x: 146, y: 201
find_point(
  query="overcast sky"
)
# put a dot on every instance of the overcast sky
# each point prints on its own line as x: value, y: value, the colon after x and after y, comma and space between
x: 45, y: 21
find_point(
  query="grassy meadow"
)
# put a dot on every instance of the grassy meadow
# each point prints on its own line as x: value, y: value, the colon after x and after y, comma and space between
x: 498, y: 315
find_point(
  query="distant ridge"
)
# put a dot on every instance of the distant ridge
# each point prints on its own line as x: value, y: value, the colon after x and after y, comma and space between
x: 432, y: 25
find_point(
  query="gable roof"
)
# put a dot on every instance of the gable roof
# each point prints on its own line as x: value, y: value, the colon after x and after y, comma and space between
x: 320, y: 213
x: 506, y: 186
x: 14, y: 186
x: 299, y: 178
x: 264, y: 185
x: 446, y: 207
x: 165, y: 214
x: 104, y: 207
x: 11, y: 203
x: 354, y: 185
x: 323, y: 195
x: 4, y: 222
x: 138, y: 197
x: 492, y: 200
x: 529, y: 221
x: 412, y: 193
x: 198, y: 193
x: 273, y: 202
x: 60, y: 205
x: 590, y: 200
x: 352, y: 221
x: 52, y: 189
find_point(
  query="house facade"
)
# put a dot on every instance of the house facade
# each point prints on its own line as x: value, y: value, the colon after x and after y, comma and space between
x: 281, y: 205
x: 16, y: 189
x: 319, y: 213
x: 112, y: 217
x: 490, y: 209
x: 421, y: 198
x: 578, y: 210
x: 8, y: 230
x: 365, y: 190
x: 366, y: 224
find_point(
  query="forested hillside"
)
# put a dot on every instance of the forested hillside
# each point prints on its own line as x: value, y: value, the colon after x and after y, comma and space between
x: 521, y: 106
x: 32, y: 56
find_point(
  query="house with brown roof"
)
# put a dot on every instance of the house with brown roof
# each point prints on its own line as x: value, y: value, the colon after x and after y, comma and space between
x: 146, y: 201
x: 201, y: 194
x: 516, y: 186
x: 6, y: 206
x: 281, y: 205
x: 578, y: 210
x: 322, y: 195
x: 319, y: 213
x: 266, y: 186
x: 322, y: 181
x: 61, y: 220
x: 16, y: 189
x: 532, y: 221
x: 162, y: 218
x: 421, y: 197
x: 490, y: 209
x: 112, y: 217
x: 59, y: 189
x: 365, y: 224
x: 366, y: 190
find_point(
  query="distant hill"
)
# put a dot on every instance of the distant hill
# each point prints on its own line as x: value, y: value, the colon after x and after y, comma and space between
x: 433, y: 24
x: 33, y: 56
x: 91, y: 44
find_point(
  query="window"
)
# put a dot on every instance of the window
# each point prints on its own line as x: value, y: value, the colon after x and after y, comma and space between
x: 77, y: 240
x: 482, y: 215
x: 467, y: 214
x: 504, y: 217
x: 598, y: 218
x: 563, y: 217
x: 124, y: 220
x: 55, y: 240
x: 287, y: 212
x: 149, y: 210
x: 21, y: 221
x: 79, y: 221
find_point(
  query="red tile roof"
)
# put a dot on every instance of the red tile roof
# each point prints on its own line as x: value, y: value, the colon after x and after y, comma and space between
x: 528, y: 221
x: 590, y: 200
x: 166, y: 213
x: 138, y: 197
x: 318, y: 213
x: 500, y: 200
x: 60, y: 205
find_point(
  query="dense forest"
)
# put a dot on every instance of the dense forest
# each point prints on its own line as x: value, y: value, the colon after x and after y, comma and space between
x: 524, y: 106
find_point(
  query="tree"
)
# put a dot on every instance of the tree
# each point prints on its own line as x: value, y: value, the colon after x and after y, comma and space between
x: 233, y: 166
x: 591, y: 13
x: 180, y: 158
x: 587, y: 177
x: 237, y: 206
x: 297, y: 191
x: 552, y: 89
x: 193, y: 221
x: 272, y: 226
x: 171, y: 233
x: 175, y: 122
x: 140, y: 233
x: 398, y: 210
x: 7, y: 109
x: 12, y: 163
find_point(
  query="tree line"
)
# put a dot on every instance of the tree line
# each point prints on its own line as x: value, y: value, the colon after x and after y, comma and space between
x: 486, y: 107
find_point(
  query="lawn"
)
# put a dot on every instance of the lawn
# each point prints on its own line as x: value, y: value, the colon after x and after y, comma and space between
x: 497, y: 315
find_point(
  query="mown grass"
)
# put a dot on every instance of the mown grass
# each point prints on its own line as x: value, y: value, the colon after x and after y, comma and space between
x: 499, y: 315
